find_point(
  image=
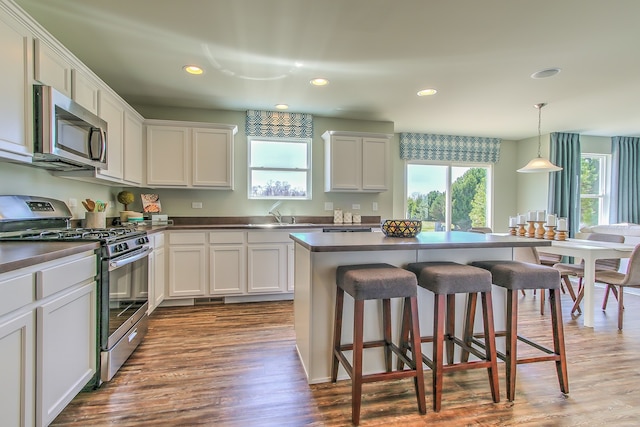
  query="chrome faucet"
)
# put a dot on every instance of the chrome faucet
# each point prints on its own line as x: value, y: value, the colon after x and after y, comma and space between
x: 277, y: 215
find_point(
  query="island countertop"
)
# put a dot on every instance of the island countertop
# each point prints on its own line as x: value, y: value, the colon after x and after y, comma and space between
x: 377, y: 241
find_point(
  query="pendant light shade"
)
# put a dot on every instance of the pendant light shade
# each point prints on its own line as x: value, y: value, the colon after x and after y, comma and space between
x: 539, y: 164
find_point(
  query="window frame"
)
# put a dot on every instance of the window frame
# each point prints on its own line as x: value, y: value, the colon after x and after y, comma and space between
x: 449, y: 183
x: 307, y: 170
x: 605, y: 186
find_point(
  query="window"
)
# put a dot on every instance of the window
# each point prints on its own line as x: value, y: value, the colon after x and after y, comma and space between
x: 448, y: 197
x: 279, y: 168
x: 593, y: 189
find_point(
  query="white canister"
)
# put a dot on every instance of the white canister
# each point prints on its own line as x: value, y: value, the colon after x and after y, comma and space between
x: 95, y: 219
x: 348, y: 218
x: 337, y: 216
x: 357, y: 219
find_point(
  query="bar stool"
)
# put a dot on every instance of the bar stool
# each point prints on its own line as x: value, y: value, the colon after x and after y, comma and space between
x: 448, y: 279
x: 376, y: 282
x: 515, y: 276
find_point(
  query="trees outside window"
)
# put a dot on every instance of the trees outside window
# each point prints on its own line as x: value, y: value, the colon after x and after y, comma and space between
x: 593, y: 189
x: 448, y: 197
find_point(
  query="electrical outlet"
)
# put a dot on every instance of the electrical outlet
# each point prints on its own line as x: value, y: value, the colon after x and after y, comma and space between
x: 196, y: 205
x: 355, y: 206
x: 374, y: 207
x: 328, y: 206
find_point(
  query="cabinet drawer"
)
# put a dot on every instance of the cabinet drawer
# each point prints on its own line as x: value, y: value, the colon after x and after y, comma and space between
x: 226, y: 237
x: 268, y: 236
x: 16, y: 293
x: 54, y: 279
x: 186, y: 239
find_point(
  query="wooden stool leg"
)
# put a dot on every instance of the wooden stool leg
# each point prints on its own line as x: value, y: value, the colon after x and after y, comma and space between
x: 469, y: 321
x: 386, y: 326
x: 356, y: 380
x: 511, y: 344
x: 337, y: 333
x: 438, y: 350
x: 489, y: 342
x: 450, y: 331
x: 558, y: 339
x: 411, y: 304
x: 542, y: 298
x: 404, y: 334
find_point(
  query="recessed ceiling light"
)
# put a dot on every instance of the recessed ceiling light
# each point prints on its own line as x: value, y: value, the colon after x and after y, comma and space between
x: 282, y: 107
x: 543, y: 74
x: 319, y: 82
x: 427, y: 92
x: 193, y: 69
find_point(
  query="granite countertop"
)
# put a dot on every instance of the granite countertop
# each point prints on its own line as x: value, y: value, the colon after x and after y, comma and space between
x: 19, y: 254
x: 377, y: 241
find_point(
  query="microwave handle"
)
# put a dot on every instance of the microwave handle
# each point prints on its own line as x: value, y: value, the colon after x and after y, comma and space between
x: 102, y: 156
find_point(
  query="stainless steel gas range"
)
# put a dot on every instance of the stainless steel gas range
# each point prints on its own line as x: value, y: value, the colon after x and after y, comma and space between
x: 122, y: 270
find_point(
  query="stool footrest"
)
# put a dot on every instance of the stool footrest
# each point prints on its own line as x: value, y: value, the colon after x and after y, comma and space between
x: 552, y: 355
x: 382, y: 375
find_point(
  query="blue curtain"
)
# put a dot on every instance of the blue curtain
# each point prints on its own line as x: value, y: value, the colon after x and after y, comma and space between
x: 625, y: 180
x: 564, y: 185
x: 279, y: 124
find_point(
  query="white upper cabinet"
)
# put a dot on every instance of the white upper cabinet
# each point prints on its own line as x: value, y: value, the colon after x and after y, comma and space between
x: 84, y: 90
x: 16, y: 65
x: 111, y: 110
x: 191, y: 155
x: 356, y: 162
x: 51, y: 68
x: 132, y: 156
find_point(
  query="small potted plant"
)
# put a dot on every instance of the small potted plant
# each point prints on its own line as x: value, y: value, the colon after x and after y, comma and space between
x: 126, y: 198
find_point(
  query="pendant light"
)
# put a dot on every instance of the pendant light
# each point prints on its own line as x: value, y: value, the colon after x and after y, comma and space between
x: 539, y: 164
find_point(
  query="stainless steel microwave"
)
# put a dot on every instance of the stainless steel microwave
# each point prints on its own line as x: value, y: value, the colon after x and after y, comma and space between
x: 67, y: 136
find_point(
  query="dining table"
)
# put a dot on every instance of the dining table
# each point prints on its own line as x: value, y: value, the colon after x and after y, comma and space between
x: 589, y: 251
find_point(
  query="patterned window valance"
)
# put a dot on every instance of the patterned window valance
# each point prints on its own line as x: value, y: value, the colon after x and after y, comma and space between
x: 423, y: 146
x: 279, y: 124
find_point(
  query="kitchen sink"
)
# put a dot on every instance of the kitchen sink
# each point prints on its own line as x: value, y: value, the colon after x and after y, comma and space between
x: 283, y: 225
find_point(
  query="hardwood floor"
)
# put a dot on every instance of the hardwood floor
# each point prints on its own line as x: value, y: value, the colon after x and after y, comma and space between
x: 236, y: 365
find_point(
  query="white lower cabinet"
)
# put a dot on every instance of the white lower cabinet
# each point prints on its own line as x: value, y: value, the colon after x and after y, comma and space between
x: 17, y: 361
x: 187, y: 264
x: 156, y: 271
x: 66, y: 359
x: 227, y: 263
x: 230, y: 263
x: 48, y: 333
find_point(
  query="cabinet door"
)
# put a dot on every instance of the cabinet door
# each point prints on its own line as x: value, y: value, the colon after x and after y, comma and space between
x: 290, y: 267
x: 132, y: 156
x: 17, y: 361
x: 112, y: 111
x: 84, y: 91
x: 51, y: 68
x: 227, y: 268
x: 374, y: 164
x: 158, y: 276
x: 212, y: 158
x: 66, y: 341
x: 16, y: 108
x: 167, y: 156
x: 187, y: 271
x: 151, y: 265
x: 267, y: 268
x: 343, y: 164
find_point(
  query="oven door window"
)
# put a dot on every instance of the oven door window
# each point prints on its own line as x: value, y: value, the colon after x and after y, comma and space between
x: 127, y: 292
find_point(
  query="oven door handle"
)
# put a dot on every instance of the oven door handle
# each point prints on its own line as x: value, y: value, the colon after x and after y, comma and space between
x: 117, y: 263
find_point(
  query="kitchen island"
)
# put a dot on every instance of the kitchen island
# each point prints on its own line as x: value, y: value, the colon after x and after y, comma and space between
x: 317, y: 255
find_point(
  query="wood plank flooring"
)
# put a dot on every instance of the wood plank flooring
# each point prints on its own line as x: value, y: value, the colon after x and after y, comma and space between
x: 236, y: 365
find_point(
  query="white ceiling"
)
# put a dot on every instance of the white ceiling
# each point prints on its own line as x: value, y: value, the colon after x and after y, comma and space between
x: 377, y: 54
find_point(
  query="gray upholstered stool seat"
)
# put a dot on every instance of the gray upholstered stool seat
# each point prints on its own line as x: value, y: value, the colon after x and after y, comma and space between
x: 376, y: 282
x: 445, y: 280
x: 515, y: 276
x: 518, y: 275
